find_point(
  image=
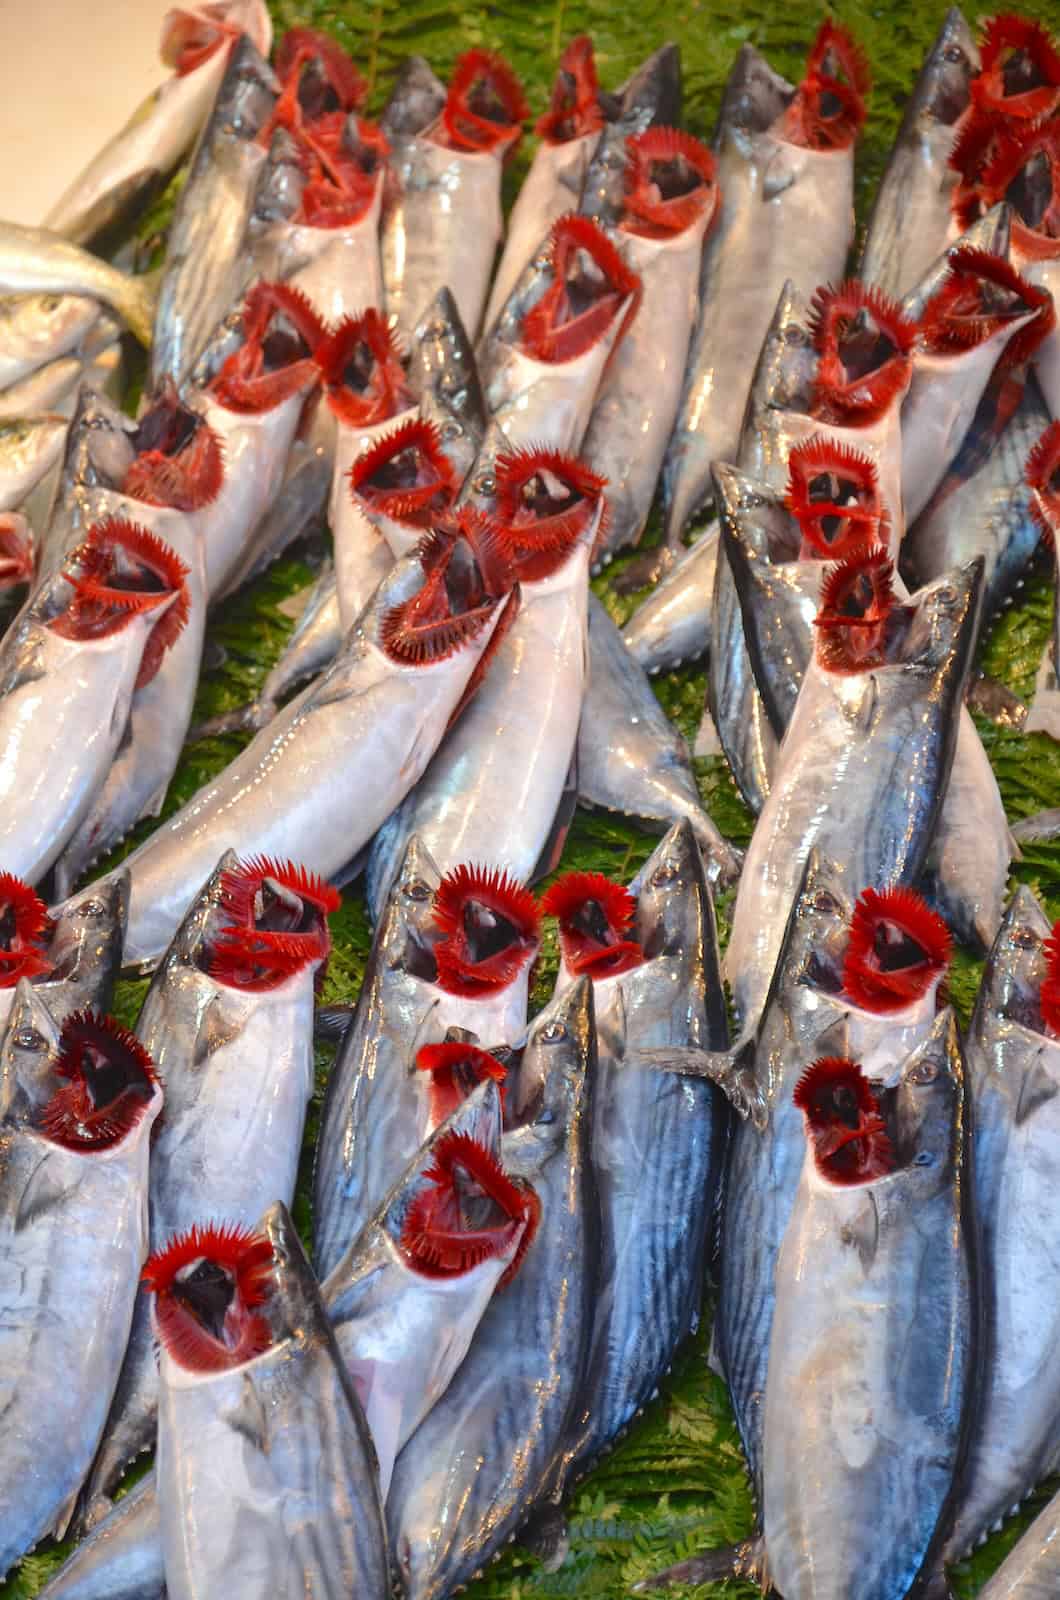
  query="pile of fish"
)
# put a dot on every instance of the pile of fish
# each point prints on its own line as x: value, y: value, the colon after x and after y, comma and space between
x: 514, y: 1217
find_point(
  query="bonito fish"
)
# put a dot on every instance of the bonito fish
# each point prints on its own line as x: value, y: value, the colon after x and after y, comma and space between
x: 34, y: 261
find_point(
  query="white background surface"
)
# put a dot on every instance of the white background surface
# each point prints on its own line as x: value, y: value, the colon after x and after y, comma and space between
x: 71, y: 72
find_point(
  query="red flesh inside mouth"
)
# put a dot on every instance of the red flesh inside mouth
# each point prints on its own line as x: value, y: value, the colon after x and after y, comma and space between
x: 828, y: 109
x: 406, y: 476
x: 277, y: 924
x: 455, y: 1069
x: 857, y: 598
x: 972, y: 152
x: 1049, y: 994
x: 574, y: 109
x: 344, y: 160
x: 489, y: 927
x: 834, y: 495
x: 1018, y: 162
x: 318, y: 80
x: 209, y: 1285
x: 1043, y: 479
x: 360, y: 363
x: 469, y: 1211
x: 179, y: 461
x: 25, y: 932
x: 979, y: 295
x: 17, y: 550
x: 191, y: 37
x: 545, y: 503
x: 594, y: 916
x: 121, y: 571
x: 843, y: 1123
x: 590, y: 284
x: 281, y: 335
x: 452, y: 607
x: 670, y: 183
x: 1019, y: 69
x: 108, y: 1081
x: 864, y: 346
x: 485, y: 107
x: 898, y: 949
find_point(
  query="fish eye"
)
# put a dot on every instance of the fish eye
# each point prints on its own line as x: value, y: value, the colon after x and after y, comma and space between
x: 924, y: 1072
x: 418, y: 890
x: 1023, y: 938
x: 553, y: 1032
x: 946, y: 595
x: 29, y: 1038
x: 665, y: 872
x: 923, y: 1158
x: 450, y: 429
x: 824, y: 900
x: 487, y: 484
x: 90, y: 908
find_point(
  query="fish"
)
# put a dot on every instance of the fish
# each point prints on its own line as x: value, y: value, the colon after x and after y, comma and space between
x: 131, y: 166
x: 366, y: 728
x: 229, y: 1021
x: 468, y: 1476
x: 865, y: 1426
x: 518, y: 735
x: 69, y: 666
x: 1043, y: 480
x: 49, y: 389
x: 657, y: 1141
x: 36, y: 329
x: 452, y: 953
x: 910, y: 664
x: 569, y: 132
x: 76, y: 1110
x: 415, y: 101
x: 1031, y: 1569
x: 669, y: 205
x: 671, y: 626
x: 785, y: 166
x: 443, y: 222
x: 71, y: 961
x: 29, y: 447
x: 120, y: 1558
x: 910, y: 222
x: 630, y: 758
x: 35, y: 261
x: 443, y: 374
x: 254, y: 1395
x: 202, y: 275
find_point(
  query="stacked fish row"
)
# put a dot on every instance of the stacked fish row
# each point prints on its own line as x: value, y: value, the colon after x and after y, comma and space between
x: 465, y: 664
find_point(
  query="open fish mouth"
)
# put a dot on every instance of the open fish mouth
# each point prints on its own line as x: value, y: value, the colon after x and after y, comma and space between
x: 833, y: 493
x: 574, y: 109
x: 179, y: 459
x: 274, y: 923
x: 1015, y: 162
x: 844, y: 1126
x: 362, y: 371
x: 455, y: 1067
x: 452, y: 606
x: 898, y: 950
x: 670, y: 183
x: 979, y: 295
x: 594, y: 917
x: 467, y: 1210
x: 1043, y: 480
x: 210, y: 1286
x: 106, y: 1081
x: 485, y: 107
x: 406, y: 475
x: 829, y: 106
x: 857, y: 598
x: 190, y: 37
x: 1019, y: 72
x: 489, y: 929
x: 545, y: 503
x: 281, y: 337
x: 864, y: 347
x: 25, y: 932
x: 590, y: 284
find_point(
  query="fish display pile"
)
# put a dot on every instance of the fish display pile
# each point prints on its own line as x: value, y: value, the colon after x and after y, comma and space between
x: 324, y: 1277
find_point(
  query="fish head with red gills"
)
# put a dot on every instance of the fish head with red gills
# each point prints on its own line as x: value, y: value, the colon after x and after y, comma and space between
x: 281, y: 337
x: 833, y: 492
x: 485, y: 107
x: 1043, y: 480
x: 574, y: 106
x: 179, y: 459
x: 362, y: 371
x: 404, y: 483
x: 591, y: 292
x: 898, y: 952
x: 546, y: 504
x: 828, y: 109
x: 983, y: 297
x: 671, y: 184
x: 1019, y: 74
x: 864, y: 347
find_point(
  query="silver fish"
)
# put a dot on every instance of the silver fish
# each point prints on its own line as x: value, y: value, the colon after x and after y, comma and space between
x: 630, y: 758
x: 74, y: 1208
x: 911, y: 217
x: 83, y: 953
x: 121, y: 1559
x: 29, y: 447
x: 34, y: 261
x: 38, y: 328
x: 470, y: 1472
x: 283, y: 1427
x: 202, y: 275
x: 872, y: 1359
x: 1031, y: 1570
x: 672, y: 625
x: 50, y: 388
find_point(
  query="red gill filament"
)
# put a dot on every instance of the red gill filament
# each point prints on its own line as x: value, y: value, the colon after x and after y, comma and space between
x: 362, y: 371
x: 857, y: 598
x: 25, y: 932
x: 670, y: 183
x: 281, y: 335
x: 846, y: 1131
x: 179, y: 461
x: 209, y: 1285
x: 590, y: 285
x: 1049, y: 994
x: 190, y: 38
x: 1019, y: 72
x: 468, y: 1211
x: 833, y: 493
x: 485, y: 107
x: 277, y: 924
x: 898, y: 950
x: 594, y: 917
x: 450, y: 609
x: 107, y: 1082
x: 979, y: 295
x: 828, y: 109
x: 406, y: 475
x: 864, y: 346
x: 1043, y: 480
x: 318, y: 79
x: 345, y: 161
x: 17, y: 550
x: 574, y: 109
x: 489, y: 927
x: 545, y: 502
x: 1024, y: 169
x: 455, y: 1068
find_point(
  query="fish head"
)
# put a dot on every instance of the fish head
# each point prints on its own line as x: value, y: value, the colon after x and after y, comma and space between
x: 362, y: 371
x: 576, y: 106
x: 864, y: 344
x: 595, y: 917
x: 99, y: 444
x: 86, y: 947
x: 104, y: 1091
x: 415, y: 101
x: 271, y: 925
x: 982, y: 300
x: 406, y: 934
x: 1018, y: 966
x: 191, y: 36
x: 816, y: 936
x: 928, y: 1114
x: 190, y: 945
x: 223, y: 1295
x: 405, y: 477
x: 29, y: 1051
x: 443, y: 374
x: 592, y: 296
x: 453, y: 1067
x: 485, y: 107
x: 554, y: 1080
x: 1019, y: 70
x: 897, y: 954
x: 281, y: 340
x: 756, y: 524
x: 177, y: 457
x: 847, y: 1135
x: 942, y: 90
x: 754, y: 97
x: 282, y: 181
x: 787, y: 362
x: 991, y: 233
x: 248, y: 93
x: 28, y: 935
x: 442, y: 599
x: 942, y: 620
x: 674, y: 914
x: 603, y: 192
x: 654, y: 87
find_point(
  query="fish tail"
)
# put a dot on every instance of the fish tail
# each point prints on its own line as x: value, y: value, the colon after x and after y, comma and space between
x: 138, y: 301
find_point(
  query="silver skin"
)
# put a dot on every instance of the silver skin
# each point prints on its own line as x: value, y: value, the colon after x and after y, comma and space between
x: 630, y: 758
x: 414, y: 102
x: 121, y: 177
x: 285, y: 1428
x: 318, y: 781
x: 121, y: 1558
x: 376, y: 1111
x: 85, y: 953
x: 672, y: 625
x: 1031, y: 1571
x: 657, y: 1147
x: 238, y: 1071
x: 29, y: 447
x: 872, y: 1359
x: 861, y: 773
x: 493, y: 789
x: 604, y: 191
x: 911, y: 218
x: 1014, y: 1076
x: 365, y: 545
x: 468, y: 1476
x: 203, y: 274
x: 38, y: 328
x: 74, y: 1229
x: 34, y: 261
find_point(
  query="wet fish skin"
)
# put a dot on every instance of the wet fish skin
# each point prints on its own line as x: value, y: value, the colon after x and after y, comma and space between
x: 38, y: 328
x: 74, y: 1227
x: 604, y: 190
x: 672, y: 625
x: 34, y: 261
x: 415, y: 100
x: 865, y: 1425
x: 50, y: 388
x: 285, y: 1428
x: 29, y: 447
x: 470, y: 1472
x: 630, y: 758
x: 121, y: 1558
x: 85, y: 950
x: 910, y: 222
x: 1031, y: 1570
x: 443, y: 375
x: 656, y: 86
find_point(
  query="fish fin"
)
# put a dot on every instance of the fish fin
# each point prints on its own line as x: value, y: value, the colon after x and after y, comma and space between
x: 43, y: 1191
x: 137, y: 190
x: 707, y: 741
x: 64, y: 1516
x: 1037, y: 1088
x: 296, y: 603
x: 862, y: 1233
x: 332, y: 1022
x: 746, y: 1560
x: 645, y: 570
x: 1039, y: 829
x: 138, y: 305
x: 251, y: 718
x: 552, y: 849
x: 725, y: 1068
x: 248, y: 1417
x: 217, y: 1029
x: 546, y: 1535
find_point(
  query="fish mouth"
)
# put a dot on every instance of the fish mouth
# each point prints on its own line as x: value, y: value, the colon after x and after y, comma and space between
x: 190, y: 38
x: 362, y: 371
x: 828, y: 108
x: 845, y: 1127
x: 489, y: 930
x: 485, y: 107
x: 590, y: 284
x: 857, y: 599
x: 545, y: 503
x: 209, y: 1286
x: 833, y: 493
x: 979, y: 295
x: 468, y: 1210
x: 281, y: 336
x: 344, y: 159
x: 864, y: 349
x: 273, y: 919
x: 17, y: 550
x: 594, y: 917
x: 1043, y: 480
x: 1016, y: 162
x: 179, y: 460
x: 1019, y: 72
x: 1049, y: 994
x: 452, y: 606
x: 670, y: 183
x: 106, y: 1082
x: 574, y: 109
x: 317, y: 77
x: 406, y: 475
x: 897, y: 951
x: 121, y: 571
x: 25, y: 932
x: 455, y: 1067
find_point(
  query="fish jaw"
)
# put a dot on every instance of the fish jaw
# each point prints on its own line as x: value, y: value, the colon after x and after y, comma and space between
x: 342, y: 276
x: 362, y: 556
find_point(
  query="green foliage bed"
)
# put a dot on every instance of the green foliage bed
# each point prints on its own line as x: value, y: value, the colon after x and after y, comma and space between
x: 676, y: 1484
